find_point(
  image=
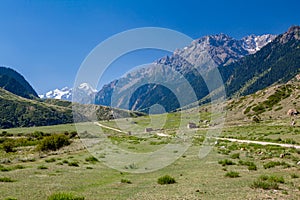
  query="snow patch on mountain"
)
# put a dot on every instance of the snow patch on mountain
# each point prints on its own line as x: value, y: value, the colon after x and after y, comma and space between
x: 253, y: 43
x: 66, y: 92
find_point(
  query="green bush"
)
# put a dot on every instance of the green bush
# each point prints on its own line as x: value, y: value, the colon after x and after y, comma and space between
x: 8, y: 146
x: 276, y: 179
x: 226, y: 162
x: 6, y: 169
x: 6, y: 179
x: 42, y: 167
x: 73, y: 164
x: 251, y: 165
x: 294, y: 176
x: 10, y: 198
x: 166, y: 180
x: 73, y: 134
x: 256, y: 119
x: 91, y: 159
x: 37, y: 134
x: 50, y: 160
x: 126, y: 181
x: 268, y: 182
x: 53, y: 142
x: 232, y: 174
x: 265, y: 185
x: 235, y: 156
x: 272, y: 164
x: 64, y: 196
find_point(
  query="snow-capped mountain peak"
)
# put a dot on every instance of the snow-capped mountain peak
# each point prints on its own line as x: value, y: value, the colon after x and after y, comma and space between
x: 66, y: 92
x: 87, y: 87
x: 253, y: 43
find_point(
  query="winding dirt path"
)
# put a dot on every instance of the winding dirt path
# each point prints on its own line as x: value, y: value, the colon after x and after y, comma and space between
x: 260, y: 142
x: 219, y: 138
x: 104, y: 126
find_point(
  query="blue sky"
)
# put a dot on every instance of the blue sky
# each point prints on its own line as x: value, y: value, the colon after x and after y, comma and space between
x: 46, y: 41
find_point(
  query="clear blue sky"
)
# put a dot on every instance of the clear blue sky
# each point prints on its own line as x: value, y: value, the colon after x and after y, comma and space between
x: 46, y: 41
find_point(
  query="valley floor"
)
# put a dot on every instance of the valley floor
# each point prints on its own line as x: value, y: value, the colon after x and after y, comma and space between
x: 233, y: 169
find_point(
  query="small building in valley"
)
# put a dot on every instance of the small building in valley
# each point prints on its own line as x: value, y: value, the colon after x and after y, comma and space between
x: 147, y: 130
x: 191, y: 125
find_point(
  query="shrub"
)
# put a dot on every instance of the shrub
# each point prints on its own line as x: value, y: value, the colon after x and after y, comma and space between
x: 6, y: 169
x: 251, y: 165
x: 232, y: 174
x: 276, y: 163
x: 126, y: 181
x: 6, y: 179
x: 8, y: 146
x: 53, y: 142
x: 294, y: 176
x: 3, y: 133
x: 265, y: 185
x: 226, y: 162
x: 276, y: 179
x: 37, y: 134
x: 166, y: 180
x: 256, y: 118
x: 18, y: 167
x: 264, y: 177
x: 73, y: 164
x: 50, y: 160
x: 268, y: 182
x: 42, y: 167
x: 131, y: 166
x: 10, y: 198
x: 235, y: 156
x: 91, y: 159
x: 64, y: 196
x: 73, y: 134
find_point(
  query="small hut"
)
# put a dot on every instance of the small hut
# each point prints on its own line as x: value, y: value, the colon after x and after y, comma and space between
x: 191, y: 125
x: 148, y: 130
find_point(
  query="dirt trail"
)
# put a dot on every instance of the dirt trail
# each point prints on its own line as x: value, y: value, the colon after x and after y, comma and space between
x: 260, y: 142
x: 114, y: 129
x: 219, y: 138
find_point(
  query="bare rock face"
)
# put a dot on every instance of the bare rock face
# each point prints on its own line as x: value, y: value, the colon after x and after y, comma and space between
x: 292, y: 33
x: 201, y: 56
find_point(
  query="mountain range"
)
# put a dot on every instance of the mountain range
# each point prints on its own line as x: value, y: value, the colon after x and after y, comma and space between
x: 66, y: 93
x: 222, y: 50
x: 194, y: 62
x: 246, y: 66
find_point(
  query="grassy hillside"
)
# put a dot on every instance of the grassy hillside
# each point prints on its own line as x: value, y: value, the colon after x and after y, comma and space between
x: 267, y: 104
x: 21, y: 112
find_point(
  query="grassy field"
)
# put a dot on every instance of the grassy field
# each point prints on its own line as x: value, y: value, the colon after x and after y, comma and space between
x: 230, y: 171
